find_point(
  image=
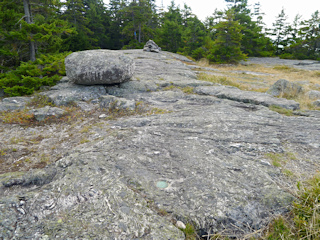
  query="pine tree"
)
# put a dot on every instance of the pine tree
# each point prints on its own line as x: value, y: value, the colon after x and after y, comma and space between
x: 227, y: 46
x: 280, y: 32
x: 116, y: 13
x: 170, y: 34
x: 254, y: 42
x: 139, y: 25
x: 29, y: 29
x: 307, y: 46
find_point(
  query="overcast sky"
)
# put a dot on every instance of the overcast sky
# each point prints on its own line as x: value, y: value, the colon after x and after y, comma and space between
x: 271, y: 8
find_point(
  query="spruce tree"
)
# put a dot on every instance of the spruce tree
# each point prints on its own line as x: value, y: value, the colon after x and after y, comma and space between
x: 227, y: 46
x: 280, y: 32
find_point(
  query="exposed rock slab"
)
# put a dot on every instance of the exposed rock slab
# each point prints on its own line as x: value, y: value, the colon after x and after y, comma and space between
x: 136, y: 177
x: 41, y: 114
x: 13, y: 103
x: 274, y: 61
x: 66, y: 92
x: 238, y: 95
x: 99, y: 67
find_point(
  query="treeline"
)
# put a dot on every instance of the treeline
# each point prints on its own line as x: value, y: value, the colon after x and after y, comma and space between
x: 44, y: 31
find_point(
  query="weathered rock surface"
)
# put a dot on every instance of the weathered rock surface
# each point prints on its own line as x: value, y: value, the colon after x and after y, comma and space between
x: 65, y: 92
x: 112, y: 102
x: 93, y: 67
x: 238, y: 95
x: 13, y: 103
x: 276, y: 61
x: 284, y: 87
x: 316, y: 103
x: 313, y: 94
x: 151, y: 46
x: 41, y: 114
x: 202, y: 162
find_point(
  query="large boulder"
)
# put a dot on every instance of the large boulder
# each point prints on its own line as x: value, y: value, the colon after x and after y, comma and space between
x: 284, y: 87
x: 313, y: 94
x: 94, y: 67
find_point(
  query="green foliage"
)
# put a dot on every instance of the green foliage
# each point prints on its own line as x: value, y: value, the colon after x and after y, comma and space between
x: 30, y: 76
x: 253, y: 42
x: 304, y: 220
x: 227, y: 46
x: 279, y: 229
x: 189, y: 232
x: 199, y: 53
x: 281, y: 110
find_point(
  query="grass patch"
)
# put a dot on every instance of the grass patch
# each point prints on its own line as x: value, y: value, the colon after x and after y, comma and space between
x: 316, y: 74
x: 277, y: 159
x: 141, y: 109
x: 22, y: 117
x: 281, y: 110
x: 262, y: 82
x: 39, y: 101
x: 25, y: 118
x: 303, y: 222
x: 84, y: 140
x: 187, y: 90
x: 189, y: 232
x: 280, y: 159
x: 218, y: 79
x: 285, y: 68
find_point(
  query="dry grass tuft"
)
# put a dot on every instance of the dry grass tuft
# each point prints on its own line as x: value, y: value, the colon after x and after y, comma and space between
x: 303, y: 221
x: 259, y: 78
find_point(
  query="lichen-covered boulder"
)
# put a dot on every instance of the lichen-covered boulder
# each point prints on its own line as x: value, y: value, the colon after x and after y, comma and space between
x: 285, y: 87
x: 313, y: 94
x: 94, y: 67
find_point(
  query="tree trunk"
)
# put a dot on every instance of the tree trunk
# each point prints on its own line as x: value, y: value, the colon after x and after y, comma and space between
x: 140, y: 33
x: 32, y: 51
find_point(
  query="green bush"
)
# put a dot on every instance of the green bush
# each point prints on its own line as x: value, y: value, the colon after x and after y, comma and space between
x: 30, y: 76
x: 199, y: 53
x: 303, y: 222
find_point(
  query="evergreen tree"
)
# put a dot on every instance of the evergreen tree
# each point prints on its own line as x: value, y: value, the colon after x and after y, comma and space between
x: 116, y: 13
x: 254, y: 42
x: 98, y: 23
x: 74, y: 14
x: 139, y: 25
x: 193, y: 35
x: 227, y: 46
x: 170, y: 34
x: 280, y: 32
x: 29, y: 29
x: 307, y: 46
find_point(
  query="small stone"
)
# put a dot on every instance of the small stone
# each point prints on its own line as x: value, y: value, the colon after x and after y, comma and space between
x: 41, y: 114
x: 316, y: 103
x: 103, y: 116
x: 162, y: 184
x: 180, y: 225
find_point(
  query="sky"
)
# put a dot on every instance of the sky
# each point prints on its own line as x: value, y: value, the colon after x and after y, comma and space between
x: 271, y: 8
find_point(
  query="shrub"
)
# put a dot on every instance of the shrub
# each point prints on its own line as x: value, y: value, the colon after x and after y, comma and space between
x: 199, y: 53
x: 31, y: 76
x: 303, y: 222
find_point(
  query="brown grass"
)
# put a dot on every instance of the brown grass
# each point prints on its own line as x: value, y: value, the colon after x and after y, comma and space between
x: 310, y: 80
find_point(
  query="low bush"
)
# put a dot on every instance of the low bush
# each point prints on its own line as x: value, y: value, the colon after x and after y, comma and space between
x: 31, y: 76
x: 303, y: 222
